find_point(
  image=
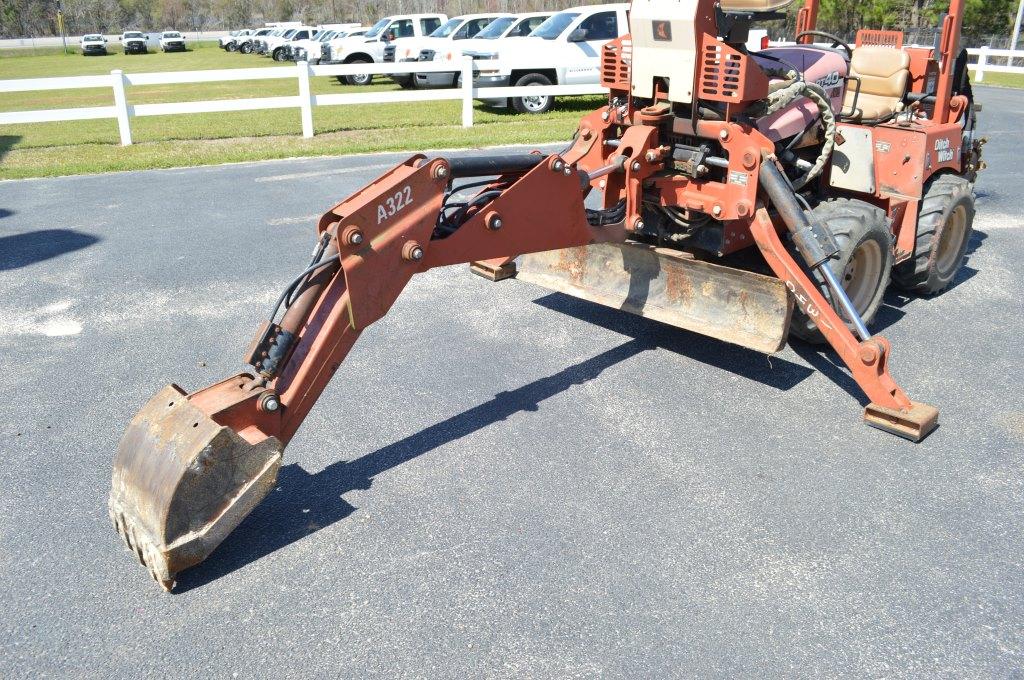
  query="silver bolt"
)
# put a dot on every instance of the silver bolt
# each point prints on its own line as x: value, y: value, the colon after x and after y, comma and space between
x: 602, y: 184
x: 651, y: 156
x: 557, y: 166
x: 638, y: 225
x: 567, y: 170
x: 496, y: 223
x: 270, y: 403
x: 441, y: 171
x: 716, y: 211
x: 724, y: 134
x: 635, y: 166
x: 605, y: 116
x: 416, y: 253
x: 702, y: 169
x: 356, y: 238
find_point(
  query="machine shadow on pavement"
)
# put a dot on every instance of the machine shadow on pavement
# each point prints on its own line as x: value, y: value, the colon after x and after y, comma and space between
x: 22, y: 250
x: 302, y: 503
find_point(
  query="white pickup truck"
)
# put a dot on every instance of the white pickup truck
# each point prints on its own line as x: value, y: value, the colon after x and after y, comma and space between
x: 172, y: 41
x: 443, y: 41
x: 309, y: 50
x: 229, y: 42
x: 503, y: 28
x: 369, y: 48
x: 94, y: 43
x: 133, y: 42
x: 564, y: 50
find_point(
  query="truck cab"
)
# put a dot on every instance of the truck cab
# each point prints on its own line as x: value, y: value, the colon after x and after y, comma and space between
x: 564, y: 50
x: 369, y: 47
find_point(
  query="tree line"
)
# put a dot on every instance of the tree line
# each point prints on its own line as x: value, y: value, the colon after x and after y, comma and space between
x: 36, y: 18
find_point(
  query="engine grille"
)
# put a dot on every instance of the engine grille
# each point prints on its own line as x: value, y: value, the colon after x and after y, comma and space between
x: 426, y: 55
x: 616, y: 57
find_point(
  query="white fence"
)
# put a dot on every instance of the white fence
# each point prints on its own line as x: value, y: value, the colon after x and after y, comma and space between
x: 305, y: 100
x: 984, y: 54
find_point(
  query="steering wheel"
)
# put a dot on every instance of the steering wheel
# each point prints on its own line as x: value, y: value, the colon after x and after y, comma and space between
x: 836, y: 41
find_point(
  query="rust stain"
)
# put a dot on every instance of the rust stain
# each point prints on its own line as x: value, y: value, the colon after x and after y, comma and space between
x: 678, y: 287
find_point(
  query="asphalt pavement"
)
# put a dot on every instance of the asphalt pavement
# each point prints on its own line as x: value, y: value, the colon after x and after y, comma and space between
x: 501, y: 481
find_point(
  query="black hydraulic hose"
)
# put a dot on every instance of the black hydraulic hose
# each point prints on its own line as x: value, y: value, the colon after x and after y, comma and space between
x: 333, y: 260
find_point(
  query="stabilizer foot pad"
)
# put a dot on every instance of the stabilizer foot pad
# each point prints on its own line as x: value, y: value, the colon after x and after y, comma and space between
x: 493, y: 273
x: 913, y: 424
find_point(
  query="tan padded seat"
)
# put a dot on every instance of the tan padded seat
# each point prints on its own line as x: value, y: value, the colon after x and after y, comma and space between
x: 883, y: 73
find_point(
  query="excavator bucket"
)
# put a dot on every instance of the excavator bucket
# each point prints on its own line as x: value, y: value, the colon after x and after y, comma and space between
x: 182, y: 483
x: 730, y: 304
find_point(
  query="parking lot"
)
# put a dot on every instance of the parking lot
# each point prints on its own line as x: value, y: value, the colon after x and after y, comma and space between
x: 500, y: 480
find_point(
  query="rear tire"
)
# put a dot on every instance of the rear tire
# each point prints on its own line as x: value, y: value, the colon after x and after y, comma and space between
x: 278, y: 54
x: 944, y: 226
x: 360, y: 79
x: 246, y: 48
x: 862, y: 265
x: 537, y: 104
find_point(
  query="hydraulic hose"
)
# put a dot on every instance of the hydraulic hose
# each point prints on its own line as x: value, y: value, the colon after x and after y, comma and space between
x: 786, y: 94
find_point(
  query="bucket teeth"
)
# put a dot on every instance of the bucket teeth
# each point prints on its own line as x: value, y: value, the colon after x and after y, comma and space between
x: 147, y: 553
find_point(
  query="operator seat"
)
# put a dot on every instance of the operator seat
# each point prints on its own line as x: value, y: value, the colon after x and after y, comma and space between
x: 883, y: 73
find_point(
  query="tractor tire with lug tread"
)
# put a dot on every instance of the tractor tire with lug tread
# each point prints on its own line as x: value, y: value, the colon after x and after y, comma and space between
x: 944, y: 226
x: 536, y: 104
x: 862, y: 265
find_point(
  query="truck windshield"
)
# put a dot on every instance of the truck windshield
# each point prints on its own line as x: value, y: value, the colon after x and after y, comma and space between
x: 92, y: 37
x: 289, y: 33
x: 327, y: 35
x: 496, y: 28
x: 377, y: 28
x: 172, y: 35
x: 553, y: 27
x: 446, y: 29
x: 133, y: 35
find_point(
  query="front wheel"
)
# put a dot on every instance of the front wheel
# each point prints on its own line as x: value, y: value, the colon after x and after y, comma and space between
x: 232, y: 47
x: 539, y: 103
x: 278, y: 54
x: 245, y: 49
x: 862, y: 266
x: 360, y: 78
x: 944, y: 226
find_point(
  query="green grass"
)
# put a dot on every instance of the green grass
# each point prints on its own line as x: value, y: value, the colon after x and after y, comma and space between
x: 74, y: 147
x: 1002, y: 79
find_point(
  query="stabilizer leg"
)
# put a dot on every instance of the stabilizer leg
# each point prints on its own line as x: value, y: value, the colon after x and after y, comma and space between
x: 868, y: 360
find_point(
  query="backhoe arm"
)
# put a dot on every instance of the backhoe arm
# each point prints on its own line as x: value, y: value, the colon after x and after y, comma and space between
x: 191, y: 467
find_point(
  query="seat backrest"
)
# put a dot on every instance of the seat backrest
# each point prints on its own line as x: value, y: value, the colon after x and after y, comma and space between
x: 883, y: 71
